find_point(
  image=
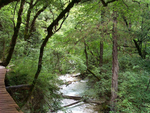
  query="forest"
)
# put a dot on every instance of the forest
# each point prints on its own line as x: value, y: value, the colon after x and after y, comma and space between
x: 105, y: 42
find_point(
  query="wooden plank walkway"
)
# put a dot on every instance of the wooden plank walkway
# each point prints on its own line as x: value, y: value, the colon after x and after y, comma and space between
x: 7, y: 104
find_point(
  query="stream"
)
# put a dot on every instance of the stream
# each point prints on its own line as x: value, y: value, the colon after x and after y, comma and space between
x: 75, y: 87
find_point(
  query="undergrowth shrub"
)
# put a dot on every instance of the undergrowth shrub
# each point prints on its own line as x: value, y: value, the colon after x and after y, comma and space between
x: 133, y: 95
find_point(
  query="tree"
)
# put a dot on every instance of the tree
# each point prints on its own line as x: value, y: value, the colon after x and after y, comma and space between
x: 101, y: 42
x: 50, y: 32
x: 115, y: 67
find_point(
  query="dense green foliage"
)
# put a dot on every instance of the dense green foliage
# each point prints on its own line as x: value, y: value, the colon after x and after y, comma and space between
x: 76, y: 47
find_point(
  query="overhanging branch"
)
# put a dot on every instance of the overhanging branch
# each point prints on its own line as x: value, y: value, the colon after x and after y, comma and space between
x: 106, y: 3
x: 62, y: 23
x: 5, y: 2
x: 136, y: 1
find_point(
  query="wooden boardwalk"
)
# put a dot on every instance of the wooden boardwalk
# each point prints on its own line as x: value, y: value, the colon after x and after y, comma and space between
x: 7, y: 104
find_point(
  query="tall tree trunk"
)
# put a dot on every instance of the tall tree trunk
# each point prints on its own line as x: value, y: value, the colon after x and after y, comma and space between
x: 101, y: 54
x: 3, y: 57
x: 15, y: 35
x: 141, y: 52
x: 138, y: 47
x: 101, y: 42
x: 86, y: 54
x: 28, y: 32
x: 28, y: 21
x: 34, y: 19
x: 30, y: 27
x: 115, y: 67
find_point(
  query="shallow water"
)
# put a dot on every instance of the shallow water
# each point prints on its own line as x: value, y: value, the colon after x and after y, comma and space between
x: 75, y: 87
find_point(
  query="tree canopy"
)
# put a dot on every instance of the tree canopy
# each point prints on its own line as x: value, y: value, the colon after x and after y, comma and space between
x: 106, y: 41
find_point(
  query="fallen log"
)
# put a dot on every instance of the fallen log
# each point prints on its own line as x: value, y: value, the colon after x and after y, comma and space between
x: 94, y: 101
x: 72, y: 97
x: 86, y: 100
x: 66, y: 106
x: 94, y: 74
x: 23, y: 86
x: 80, y: 99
